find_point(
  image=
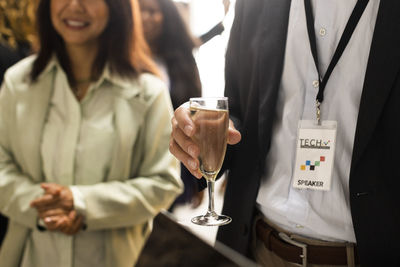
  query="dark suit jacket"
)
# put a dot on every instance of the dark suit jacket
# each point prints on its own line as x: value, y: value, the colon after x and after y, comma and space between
x: 254, y: 65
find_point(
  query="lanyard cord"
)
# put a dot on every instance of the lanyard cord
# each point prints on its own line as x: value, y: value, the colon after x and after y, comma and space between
x: 344, y: 40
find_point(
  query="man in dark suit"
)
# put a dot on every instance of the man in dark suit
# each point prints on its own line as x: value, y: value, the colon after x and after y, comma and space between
x: 269, y: 64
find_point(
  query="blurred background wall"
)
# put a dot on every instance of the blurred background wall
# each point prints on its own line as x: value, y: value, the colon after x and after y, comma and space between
x: 201, y: 16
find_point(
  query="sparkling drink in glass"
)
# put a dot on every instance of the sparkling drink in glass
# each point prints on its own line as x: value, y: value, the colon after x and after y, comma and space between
x: 211, y: 118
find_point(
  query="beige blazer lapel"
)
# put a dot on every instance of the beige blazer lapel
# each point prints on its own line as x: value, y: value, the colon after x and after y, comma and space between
x: 129, y: 117
x: 31, y: 113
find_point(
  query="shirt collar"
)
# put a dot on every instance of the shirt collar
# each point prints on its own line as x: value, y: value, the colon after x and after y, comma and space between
x: 127, y: 87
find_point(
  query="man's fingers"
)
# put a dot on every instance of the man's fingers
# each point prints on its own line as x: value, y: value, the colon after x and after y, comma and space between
x: 192, y: 164
x: 234, y: 135
x: 184, y: 149
x: 185, y: 142
x: 182, y: 120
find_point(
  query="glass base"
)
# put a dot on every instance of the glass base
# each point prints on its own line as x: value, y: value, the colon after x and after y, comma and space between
x: 211, y: 220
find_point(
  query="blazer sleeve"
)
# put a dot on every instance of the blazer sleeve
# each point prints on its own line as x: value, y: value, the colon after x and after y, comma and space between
x: 153, y: 187
x: 17, y: 189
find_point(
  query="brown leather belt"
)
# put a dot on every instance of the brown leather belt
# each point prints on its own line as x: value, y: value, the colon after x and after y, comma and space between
x: 296, y: 252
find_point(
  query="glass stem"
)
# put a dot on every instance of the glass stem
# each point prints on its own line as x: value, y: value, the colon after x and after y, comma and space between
x: 210, y: 186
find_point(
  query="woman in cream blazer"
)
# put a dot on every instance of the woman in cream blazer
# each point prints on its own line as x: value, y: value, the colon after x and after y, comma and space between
x: 104, y: 140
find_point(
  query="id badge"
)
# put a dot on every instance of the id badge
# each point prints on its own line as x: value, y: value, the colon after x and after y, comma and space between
x: 314, y: 155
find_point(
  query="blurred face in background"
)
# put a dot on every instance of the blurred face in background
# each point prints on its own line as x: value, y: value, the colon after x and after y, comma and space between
x: 79, y: 22
x: 152, y: 20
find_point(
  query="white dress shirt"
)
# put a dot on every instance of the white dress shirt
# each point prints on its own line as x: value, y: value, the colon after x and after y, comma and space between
x: 317, y: 214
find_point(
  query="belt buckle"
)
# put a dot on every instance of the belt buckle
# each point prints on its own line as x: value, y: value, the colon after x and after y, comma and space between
x: 303, y: 247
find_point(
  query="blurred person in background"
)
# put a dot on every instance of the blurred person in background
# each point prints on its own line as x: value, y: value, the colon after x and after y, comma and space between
x: 17, y: 39
x: 218, y: 29
x: 172, y: 48
x: 84, y: 131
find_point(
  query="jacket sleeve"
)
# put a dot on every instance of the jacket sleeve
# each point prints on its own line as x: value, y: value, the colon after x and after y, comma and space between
x: 214, y: 31
x: 152, y: 188
x: 17, y: 189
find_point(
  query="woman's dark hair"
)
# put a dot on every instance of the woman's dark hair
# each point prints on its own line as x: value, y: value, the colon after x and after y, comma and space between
x: 175, y: 47
x: 128, y: 56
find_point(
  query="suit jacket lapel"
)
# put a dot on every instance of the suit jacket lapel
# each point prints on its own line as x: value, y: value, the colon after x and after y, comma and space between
x: 382, y: 70
x: 270, y: 65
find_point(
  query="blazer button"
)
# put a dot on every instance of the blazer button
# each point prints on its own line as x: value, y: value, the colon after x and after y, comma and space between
x: 361, y: 194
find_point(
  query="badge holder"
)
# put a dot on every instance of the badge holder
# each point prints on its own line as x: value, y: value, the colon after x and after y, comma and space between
x: 315, y: 150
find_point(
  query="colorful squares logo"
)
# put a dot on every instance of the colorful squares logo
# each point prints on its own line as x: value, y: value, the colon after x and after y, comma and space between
x: 311, y: 167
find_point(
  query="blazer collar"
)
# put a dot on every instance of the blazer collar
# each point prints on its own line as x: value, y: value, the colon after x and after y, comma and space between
x: 30, y: 118
x: 270, y: 66
x: 127, y: 87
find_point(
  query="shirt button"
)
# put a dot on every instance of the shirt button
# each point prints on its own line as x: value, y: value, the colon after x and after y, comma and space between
x: 322, y: 31
x: 315, y: 84
x: 298, y: 226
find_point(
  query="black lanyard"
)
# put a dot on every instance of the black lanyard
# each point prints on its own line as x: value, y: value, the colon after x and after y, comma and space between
x: 344, y: 40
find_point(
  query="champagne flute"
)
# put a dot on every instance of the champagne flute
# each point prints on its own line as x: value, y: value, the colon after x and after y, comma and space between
x: 211, y: 118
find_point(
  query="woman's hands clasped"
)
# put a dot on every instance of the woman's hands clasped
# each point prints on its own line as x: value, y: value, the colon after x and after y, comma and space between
x: 182, y: 146
x: 56, y: 209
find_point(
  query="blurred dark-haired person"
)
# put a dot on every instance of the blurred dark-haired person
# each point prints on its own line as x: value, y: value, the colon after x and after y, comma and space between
x: 84, y: 131
x: 172, y: 48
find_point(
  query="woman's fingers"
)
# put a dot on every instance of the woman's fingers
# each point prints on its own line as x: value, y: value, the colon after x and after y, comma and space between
x: 51, y: 188
x: 77, y: 225
x: 50, y: 197
x: 55, y: 223
x: 52, y: 212
x: 44, y: 201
